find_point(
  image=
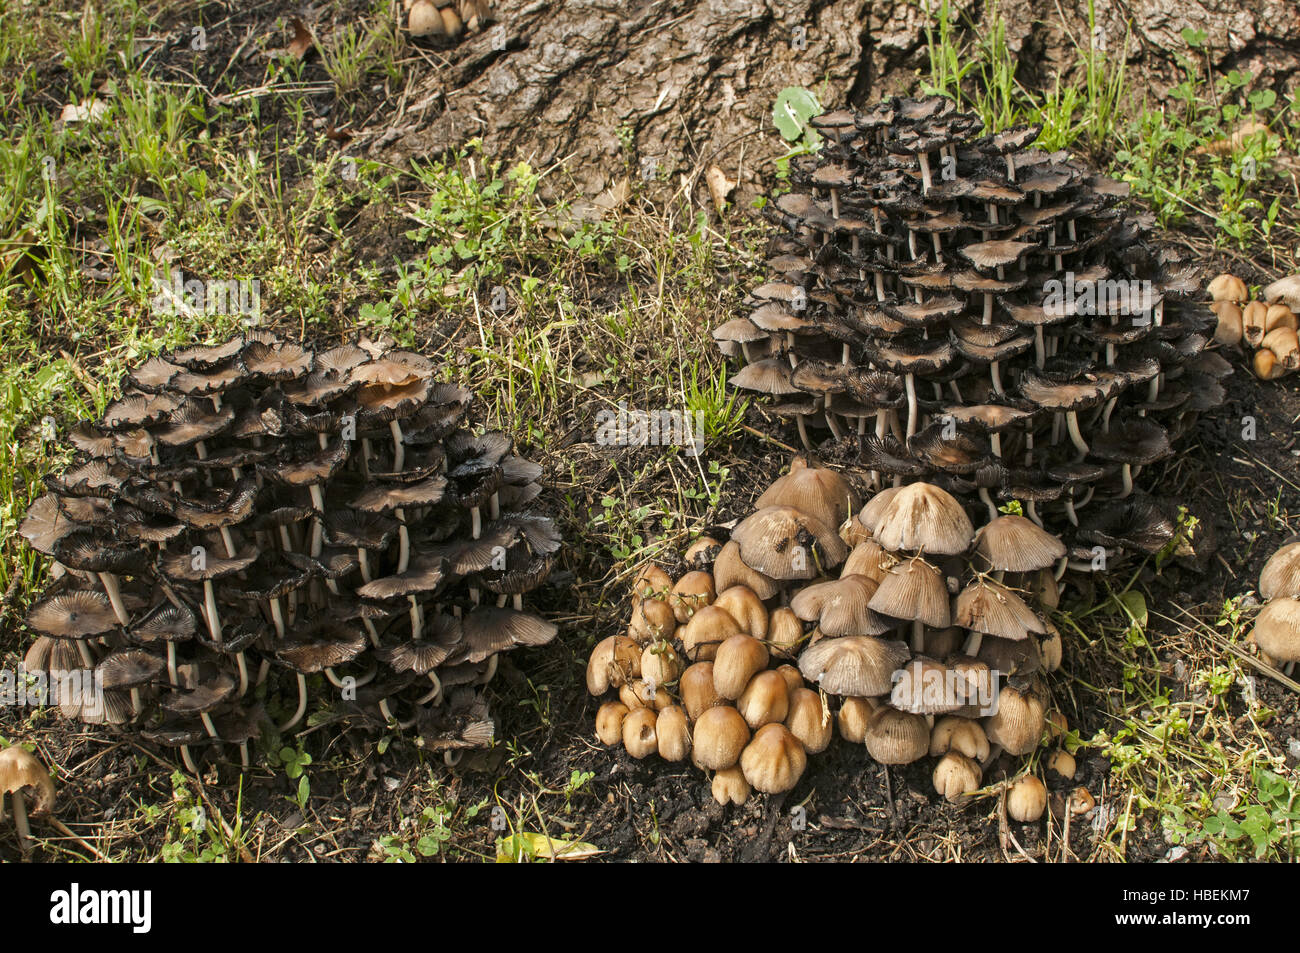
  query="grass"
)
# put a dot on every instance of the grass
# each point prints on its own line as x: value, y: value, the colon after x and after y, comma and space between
x: 551, y: 312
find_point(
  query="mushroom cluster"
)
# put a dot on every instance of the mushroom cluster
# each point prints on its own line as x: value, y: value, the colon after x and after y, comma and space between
x: 935, y: 636
x: 446, y: 18
x: 977, y: 313
x: 1277, y: 627
x: 1267, y: 327
x: 257, y: 511
x: 901, y: 610
x: 704, y: 670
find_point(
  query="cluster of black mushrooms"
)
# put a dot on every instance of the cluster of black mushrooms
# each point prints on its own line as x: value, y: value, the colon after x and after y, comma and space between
x: 989, y: 317
x: 252, y: 519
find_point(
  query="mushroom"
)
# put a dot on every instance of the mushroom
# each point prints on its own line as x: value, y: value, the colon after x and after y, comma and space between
x: 955, y: 777
x: 720, y: 736
x: 774, y: 760
x: 639, y: 732
x: 609, y: 722
x: 23, y: 777
x: 1026, y: 799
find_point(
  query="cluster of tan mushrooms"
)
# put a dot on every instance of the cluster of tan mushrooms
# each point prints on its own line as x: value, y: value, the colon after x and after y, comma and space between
x: 980, y: 314
x: 1267, y: 327
x: 259, y: 510
x: 446, y: 18
x: 1277, y: 627
x: 900, y: 610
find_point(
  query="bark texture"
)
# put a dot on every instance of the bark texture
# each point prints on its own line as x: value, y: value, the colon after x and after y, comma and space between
x: 674, y: 85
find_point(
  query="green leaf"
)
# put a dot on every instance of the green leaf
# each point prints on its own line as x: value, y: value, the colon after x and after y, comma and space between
x: 526, y: 846
x: 793, y: 108
x: 1135, y: 604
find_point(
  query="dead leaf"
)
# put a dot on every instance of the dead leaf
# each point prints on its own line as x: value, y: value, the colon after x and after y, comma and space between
x: 302, y: 41
x: 719, y: 187
x: 614, y: 196
x: 1236, y: 141
x: 86, y: 109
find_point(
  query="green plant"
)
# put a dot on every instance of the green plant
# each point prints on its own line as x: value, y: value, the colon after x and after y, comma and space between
x: 1268, y: 829
x: 295, y: 762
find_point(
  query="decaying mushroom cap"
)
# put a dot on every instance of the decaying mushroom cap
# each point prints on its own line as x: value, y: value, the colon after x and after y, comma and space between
x: 260, y: 510
x: 22, y: 772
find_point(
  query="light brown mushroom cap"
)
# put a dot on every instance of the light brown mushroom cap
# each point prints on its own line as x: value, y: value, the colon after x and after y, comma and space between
x: 660, y: 663
x: 841, y: 607
x: 1277, y: 630
x: 720, y: 736
x: 914, y: 590
x: 651, y: 619
x: 743, y: 605
x: 987, y: 606
x: 809, y: 720
x: 1018, y: 723
x: 854, y: 665
x: 820, y: 493
x: 730, y: 787
x: 612, y: 662
x: 868, y: 559
x: 925, y: 687
x: 875, y: 507
x: 1027, y: 799
x: 784, y: 633
x: 691, y: 593
x: 640, y: 737
x: 963, y: 735
x: 651, y: 582
x: 897, y: 737
x: 854, y: 718
x: 774, y: 761
x: 955, y: 777
x: 609, y: 722
x: 22, y: 772
x: 674, y: 734
x: 739, y: 659
x: 702, y: 553
x: 765, y: 700
x: 793, y: 679
x: 637, y: 693
x: 1228, y: 288
x: 923, y: 518
x: 1281, y: 574
x: 783, y: 543
x: 730, y: 570
x: 707, y: 630
x: 697, y: 691
x: 1017, y: 544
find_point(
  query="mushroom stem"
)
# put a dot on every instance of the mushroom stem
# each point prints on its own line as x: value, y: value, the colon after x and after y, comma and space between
x: 114, y: 593
x: 918, y: 635
x: 476, y: 522
x: 491, y: 670
x: 228, y: 542
x: 188, y: 759
x: 302, y: 703
x: 803, y: 431
x: 318, y: 520
x: 210, y: 611
x: 1128, y: 481
x: 988, y: 501
x: 277, y: 616
x: 926, y: 180
x: 388, y: 714
x: 972, y: 645
x: 363, y: 560
x: 403, y: 543
x: 433, y: 695
x: 399, y: 448
x: 172, y: 677
x: 911, y: 404
x: 417, y: 620
x: 20, y: 822
x: 242, y: 663
x: 1072, y: 422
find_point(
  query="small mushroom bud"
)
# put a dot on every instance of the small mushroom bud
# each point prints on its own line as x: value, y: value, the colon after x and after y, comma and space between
x: 1267, y: 366
x: 743, y: 605
x: 612, y: 662
x: 674, y: 734
x: 808, y: 720
x: 692, y: 592
x: 1227, y: 288
x: 774, y: 761
x: 739, y: 659
x: 1051, y: 648
x: 854, y: 718
x: 730, y: 787
x: 424, y: 19
x: 1228, y: 331
x: 1056, y: 725
x: 720, y: 736
x: 609, y: 722
x: 956, y: 776
x: 1284, y: 344
x: 1027, y: 799
x: 765, y: 700
x: 697, y: 691
x: 1279, y: 316
x: 793, y: 680
x: 1081, y: 801
x: 701, y: 553
x: 451, y: 22
x: 966, y: 737
x: 707, y: 630
x: 1253, y: 317
x: 1061, y: 763
x: 784, y: 633
x: 651, y: 619
x: 636, y: 694
x: 639, y: 736
x: 651, y: 583
x: 660, y: 664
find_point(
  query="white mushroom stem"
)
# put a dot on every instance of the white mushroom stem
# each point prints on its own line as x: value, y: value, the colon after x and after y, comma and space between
x: 208, y: 726
x: 417, y: 619
x: 363, y: 560
x: 302, y: 703
x: 210, y: 614
x: 114, y: 593
x: 392, y: 719
x: 803, y: 431
x: 318, y: 521
x: 285, y: 540
x: 911, y: 404
x: 433, y: 695
x: 399, y: 448
x: 1072, y: 422
x: 403, y: 542
x: 172, y: 677
x: 277, y: 616
x: 452, y: 758
x: 228, y: 542
x: 988, y: 501
x: 372, y: 631
x: 926, y: 180
x: 491, y: 670
x: 188, y: 759
x: 1128, y: 481
x: 1288, y: 669
x: 242, y: 663
x: 1031, y: 510
x: 972, y: 645
x: 1070, y: 514
x: 20, y: 822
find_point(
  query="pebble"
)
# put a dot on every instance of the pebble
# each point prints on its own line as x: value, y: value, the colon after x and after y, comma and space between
x: 1174, y: 854
x: 391, y: 783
